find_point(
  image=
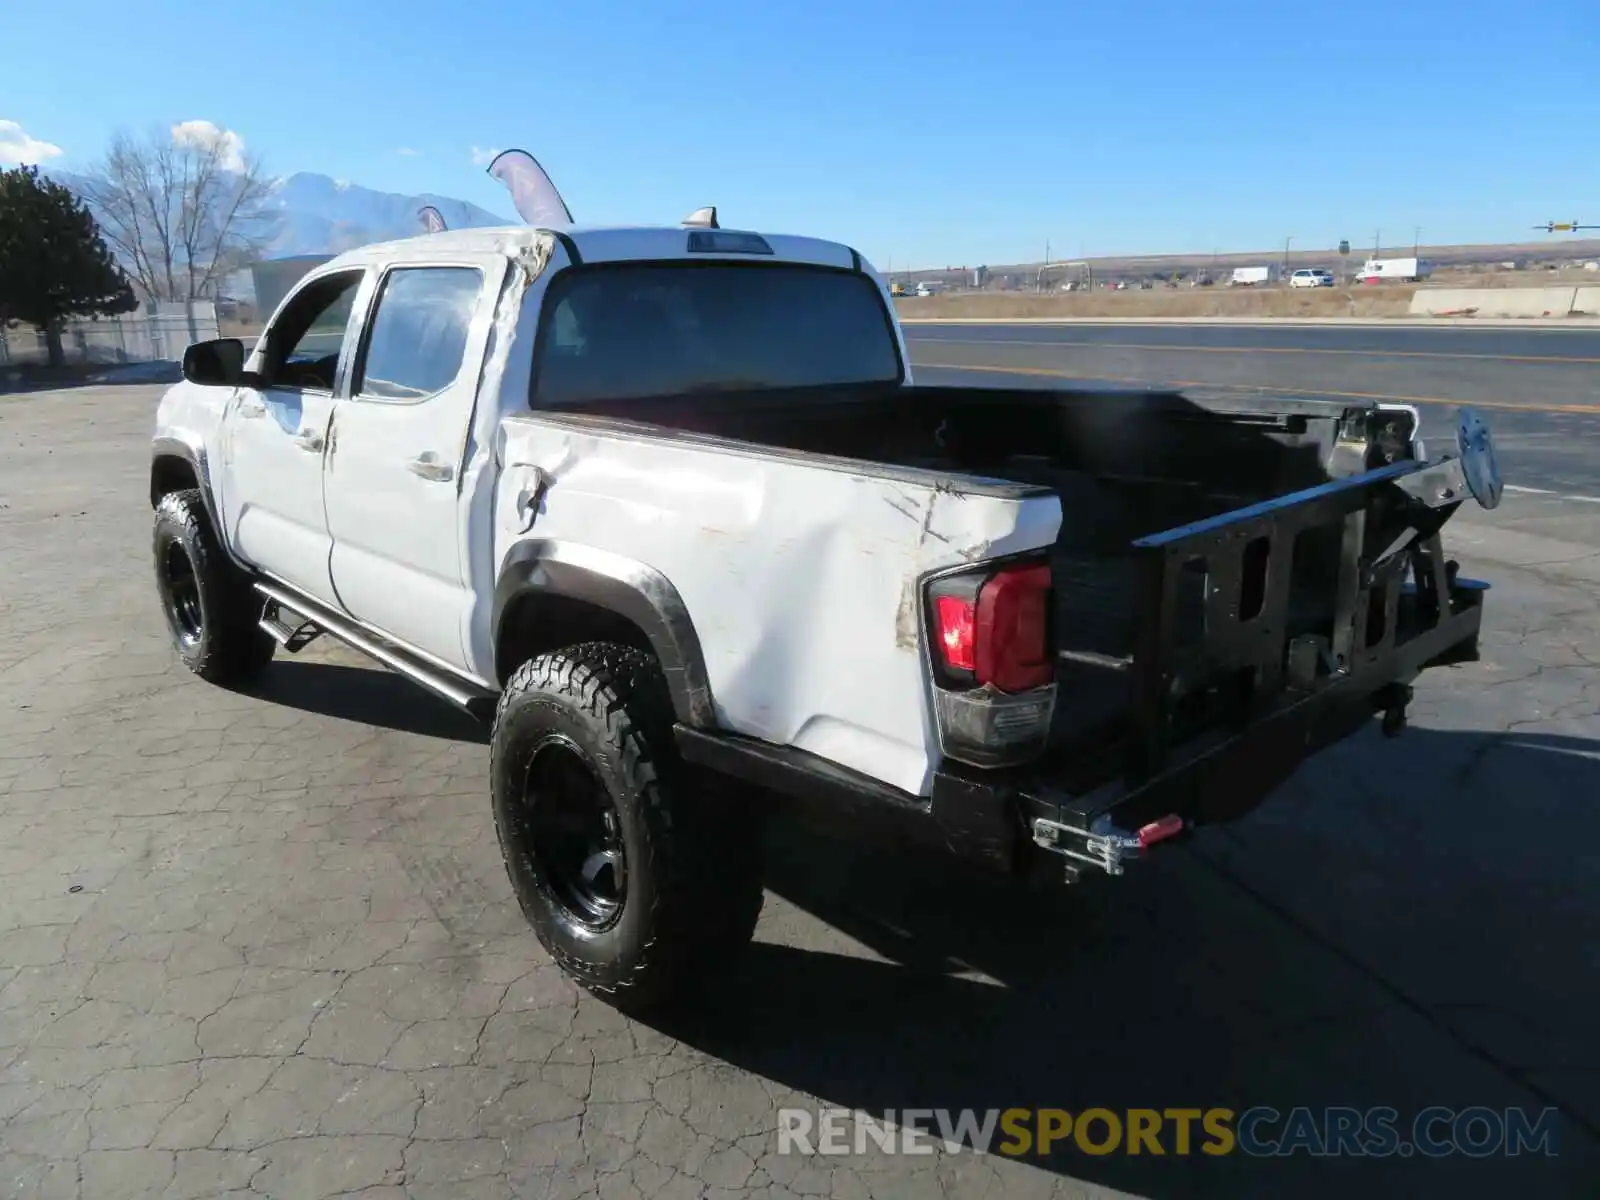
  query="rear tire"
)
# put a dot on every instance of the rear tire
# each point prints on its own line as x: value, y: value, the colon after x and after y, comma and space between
x: 638, y: 874
x: 210, y: 609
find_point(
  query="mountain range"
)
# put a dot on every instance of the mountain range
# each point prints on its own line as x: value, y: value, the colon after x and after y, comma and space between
x: 315, y: 214
x: 319, y: 215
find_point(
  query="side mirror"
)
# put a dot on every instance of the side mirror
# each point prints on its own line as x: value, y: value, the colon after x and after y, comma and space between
x: 217, y: 363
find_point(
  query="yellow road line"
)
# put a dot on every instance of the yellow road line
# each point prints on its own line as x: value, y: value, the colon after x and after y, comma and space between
x: 1556, y: 360
x: 1240, y: 387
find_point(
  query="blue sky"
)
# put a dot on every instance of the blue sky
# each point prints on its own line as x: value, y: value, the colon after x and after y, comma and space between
x: 923, y: 133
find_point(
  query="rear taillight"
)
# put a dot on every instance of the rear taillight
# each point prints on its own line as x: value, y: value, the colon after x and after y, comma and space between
x: 957, y: 628
x: 1013, y: 630
x: 993, y: 663
x: 995, y: 630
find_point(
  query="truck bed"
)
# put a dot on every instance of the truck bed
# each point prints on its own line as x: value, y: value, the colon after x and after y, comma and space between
x: 1126, y: 465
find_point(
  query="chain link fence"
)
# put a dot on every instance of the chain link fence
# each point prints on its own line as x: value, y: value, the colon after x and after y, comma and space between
x: 153, y: 333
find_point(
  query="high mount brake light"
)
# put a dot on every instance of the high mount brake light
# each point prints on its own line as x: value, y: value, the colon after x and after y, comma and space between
x: 727, y: 241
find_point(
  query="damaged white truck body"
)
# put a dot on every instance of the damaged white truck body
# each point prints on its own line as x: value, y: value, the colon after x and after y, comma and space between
x: 665, y: 503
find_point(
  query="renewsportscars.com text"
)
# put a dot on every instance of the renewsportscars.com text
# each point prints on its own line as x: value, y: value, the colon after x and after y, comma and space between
x: 1260, y: 1131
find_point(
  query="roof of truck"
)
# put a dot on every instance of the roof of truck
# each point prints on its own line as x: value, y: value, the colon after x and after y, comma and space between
x: 619, y: 243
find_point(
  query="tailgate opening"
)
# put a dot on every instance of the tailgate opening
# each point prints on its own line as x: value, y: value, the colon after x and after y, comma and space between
x: 1306, y: 615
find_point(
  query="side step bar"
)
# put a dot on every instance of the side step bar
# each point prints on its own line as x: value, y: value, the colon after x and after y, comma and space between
x: 289, y: 627
x: 317, y: 619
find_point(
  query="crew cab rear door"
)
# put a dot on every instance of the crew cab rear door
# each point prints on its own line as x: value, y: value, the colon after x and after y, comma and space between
x: 394, y: 469
x: 274, y: 436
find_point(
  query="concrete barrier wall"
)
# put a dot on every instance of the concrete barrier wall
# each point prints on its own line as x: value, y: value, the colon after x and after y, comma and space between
x: 1499, y: 302
x: 1587, y: 302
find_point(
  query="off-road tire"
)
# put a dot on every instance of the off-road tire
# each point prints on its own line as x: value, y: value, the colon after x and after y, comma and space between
x: 691, y: 843
x: 219, y: 640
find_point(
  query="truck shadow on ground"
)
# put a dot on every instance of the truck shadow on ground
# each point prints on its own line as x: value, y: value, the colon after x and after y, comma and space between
x: 368, y: 695
x: 1401, y: 950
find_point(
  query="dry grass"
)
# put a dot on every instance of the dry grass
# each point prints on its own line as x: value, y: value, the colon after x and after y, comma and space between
x: 1177, y: 302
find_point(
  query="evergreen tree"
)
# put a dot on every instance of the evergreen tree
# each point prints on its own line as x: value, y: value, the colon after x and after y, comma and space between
x: 53, y: 262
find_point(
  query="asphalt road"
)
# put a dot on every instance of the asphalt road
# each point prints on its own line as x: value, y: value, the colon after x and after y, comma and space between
x: 261, y: 943
x: 1539, y: 388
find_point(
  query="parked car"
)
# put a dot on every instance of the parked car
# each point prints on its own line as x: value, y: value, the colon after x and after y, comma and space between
x: 690, y: 555
x: 1311, y: 277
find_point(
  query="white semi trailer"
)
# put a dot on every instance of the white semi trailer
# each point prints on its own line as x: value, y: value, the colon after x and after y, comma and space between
x: 1408, y: 270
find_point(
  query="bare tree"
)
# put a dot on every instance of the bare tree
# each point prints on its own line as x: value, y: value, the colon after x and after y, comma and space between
x: 182, y: 208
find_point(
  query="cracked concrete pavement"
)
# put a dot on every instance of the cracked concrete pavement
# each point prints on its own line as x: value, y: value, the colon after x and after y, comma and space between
x: 262, y: 944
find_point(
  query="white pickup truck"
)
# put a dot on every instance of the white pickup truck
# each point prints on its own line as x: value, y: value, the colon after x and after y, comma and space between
x: 665, y: 506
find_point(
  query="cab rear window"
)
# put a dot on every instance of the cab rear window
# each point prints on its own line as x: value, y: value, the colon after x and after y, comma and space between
x: 637, y: 330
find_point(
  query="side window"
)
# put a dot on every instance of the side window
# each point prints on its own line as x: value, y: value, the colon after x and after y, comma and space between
x: 565, y: 336
x: 417, y: 338
x: 304, y: 343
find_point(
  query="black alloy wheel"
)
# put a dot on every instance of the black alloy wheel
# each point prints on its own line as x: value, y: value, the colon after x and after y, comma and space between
x: 180, y: 595
x: 576, y: 834
x: 211, y: 611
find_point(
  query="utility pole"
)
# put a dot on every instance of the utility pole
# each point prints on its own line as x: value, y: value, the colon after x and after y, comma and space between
x: 1286, y: 242
x: 1416, y: 242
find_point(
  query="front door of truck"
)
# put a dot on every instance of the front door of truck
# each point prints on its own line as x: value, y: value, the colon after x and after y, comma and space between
x: 275, y: 436
x: 394, y: 474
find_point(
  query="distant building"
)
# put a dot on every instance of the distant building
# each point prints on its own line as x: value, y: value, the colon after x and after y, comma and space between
x: 274, y: 277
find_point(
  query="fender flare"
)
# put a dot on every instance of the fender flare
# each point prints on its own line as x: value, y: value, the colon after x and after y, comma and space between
x: 193, y: 453
x: 626, y: 587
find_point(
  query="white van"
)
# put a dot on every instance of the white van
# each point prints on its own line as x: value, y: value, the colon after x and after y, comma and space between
x: 1311, y: 277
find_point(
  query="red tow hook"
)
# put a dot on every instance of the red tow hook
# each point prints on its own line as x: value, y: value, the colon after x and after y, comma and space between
x: 1160, y: 830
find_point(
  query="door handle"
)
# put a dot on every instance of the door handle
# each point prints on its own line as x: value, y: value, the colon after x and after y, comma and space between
x: 251, y: 409
x: 426, y: 466
x: 309, y: 439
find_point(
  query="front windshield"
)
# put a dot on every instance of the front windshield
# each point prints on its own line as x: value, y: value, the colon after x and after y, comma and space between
x: 639, y: 330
